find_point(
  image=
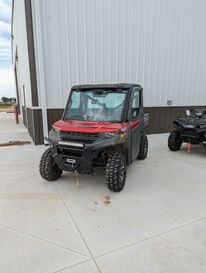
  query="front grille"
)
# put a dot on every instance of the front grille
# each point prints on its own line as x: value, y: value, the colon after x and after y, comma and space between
x: 70, y: 152
x: 86, y: 138
x: 189, y: 132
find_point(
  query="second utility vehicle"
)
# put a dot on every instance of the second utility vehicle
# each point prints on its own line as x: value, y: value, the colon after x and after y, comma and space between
x: 190, y: 129
x: 102, y: 126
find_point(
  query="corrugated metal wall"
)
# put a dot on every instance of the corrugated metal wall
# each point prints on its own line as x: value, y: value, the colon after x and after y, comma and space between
x: 160, y: 44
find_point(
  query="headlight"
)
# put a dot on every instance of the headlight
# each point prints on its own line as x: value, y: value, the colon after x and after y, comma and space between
x: 54, y: 135
x: 110, y: 134
x: 56, y: 130
x: 119, y: 133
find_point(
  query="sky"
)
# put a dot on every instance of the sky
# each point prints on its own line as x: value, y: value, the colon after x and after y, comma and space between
x: 6, y: 72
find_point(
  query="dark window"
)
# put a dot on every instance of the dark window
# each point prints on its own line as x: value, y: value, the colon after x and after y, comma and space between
x: 134, y: 105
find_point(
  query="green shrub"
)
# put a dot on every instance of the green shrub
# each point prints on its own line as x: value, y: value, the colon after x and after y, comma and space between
x: 5, y: 105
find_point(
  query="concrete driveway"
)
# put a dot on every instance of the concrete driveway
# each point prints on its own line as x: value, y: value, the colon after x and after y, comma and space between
x: 156, y: 225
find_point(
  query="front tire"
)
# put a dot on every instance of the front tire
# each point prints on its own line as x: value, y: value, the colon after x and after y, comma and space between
x: 48, y: 168
x: 143, y: 149
x: 174, y: 141
x: 116, y: 170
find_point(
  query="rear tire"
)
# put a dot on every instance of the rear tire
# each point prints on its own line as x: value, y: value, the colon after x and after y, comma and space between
x: 174, y: 141
x: 116, y: 171
x: 143, y: 149
x: 48, y: 168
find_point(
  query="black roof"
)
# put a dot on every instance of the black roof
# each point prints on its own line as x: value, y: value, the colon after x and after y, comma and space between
x: 105, y: 86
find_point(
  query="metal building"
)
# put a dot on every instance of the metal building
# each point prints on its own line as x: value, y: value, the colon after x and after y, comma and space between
x: 160, y: 44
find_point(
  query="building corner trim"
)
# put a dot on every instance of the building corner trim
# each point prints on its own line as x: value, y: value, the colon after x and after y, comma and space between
x: 31, y: 52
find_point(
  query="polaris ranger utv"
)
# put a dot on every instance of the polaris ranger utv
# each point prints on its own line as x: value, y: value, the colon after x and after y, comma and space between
x: 190, y: 129
x: 102, y: 125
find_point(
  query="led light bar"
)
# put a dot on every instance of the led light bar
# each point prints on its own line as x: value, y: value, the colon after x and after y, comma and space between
x: 73, y: 144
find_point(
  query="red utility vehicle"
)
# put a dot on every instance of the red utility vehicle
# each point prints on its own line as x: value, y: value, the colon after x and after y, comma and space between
x: 102, y: 126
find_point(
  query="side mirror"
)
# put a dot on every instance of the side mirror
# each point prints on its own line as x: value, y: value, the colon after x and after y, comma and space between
x: 188, y: 113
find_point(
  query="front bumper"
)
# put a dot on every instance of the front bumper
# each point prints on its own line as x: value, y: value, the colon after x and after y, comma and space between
x: 73, y: 163
x: 194, y: 134
x: 76, y: 158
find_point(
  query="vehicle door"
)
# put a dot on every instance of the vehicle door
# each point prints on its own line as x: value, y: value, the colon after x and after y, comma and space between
x: 134, y: 118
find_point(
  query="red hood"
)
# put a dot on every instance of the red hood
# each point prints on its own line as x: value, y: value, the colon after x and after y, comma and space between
x: 88, y: 126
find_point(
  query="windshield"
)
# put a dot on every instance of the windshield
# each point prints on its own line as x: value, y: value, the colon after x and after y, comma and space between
x: 96, y: 105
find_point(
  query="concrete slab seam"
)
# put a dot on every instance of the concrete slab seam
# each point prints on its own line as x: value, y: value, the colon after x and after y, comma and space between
x: 72, y: 266
x: 82, y: 237
x: 41, y: 239
x: 152, y: 237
